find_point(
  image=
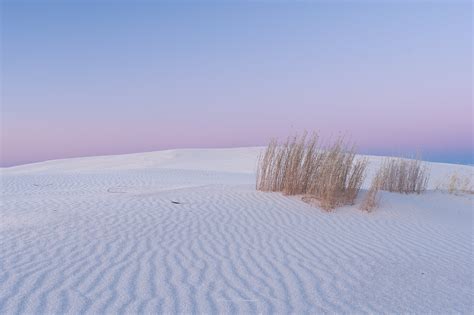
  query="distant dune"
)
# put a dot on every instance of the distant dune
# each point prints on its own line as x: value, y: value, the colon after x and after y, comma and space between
x: 185, y: 231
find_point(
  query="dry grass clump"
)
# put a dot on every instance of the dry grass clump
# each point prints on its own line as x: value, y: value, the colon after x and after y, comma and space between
x: 396, y: 175
x: 457, y: 184
x: 371, y: 200
x: 404, y: 175
x: 332, y: 175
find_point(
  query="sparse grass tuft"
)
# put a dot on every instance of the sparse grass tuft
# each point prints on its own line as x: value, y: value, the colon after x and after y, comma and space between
x: 331, y: 174
x: 404, y: 175
x: 371, y: 200
x: 457, y: 184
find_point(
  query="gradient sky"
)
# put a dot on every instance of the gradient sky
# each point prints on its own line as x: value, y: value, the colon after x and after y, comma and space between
x: 106, y: 77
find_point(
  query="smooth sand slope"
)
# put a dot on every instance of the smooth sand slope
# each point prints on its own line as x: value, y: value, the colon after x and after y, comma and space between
x: 184, y: 231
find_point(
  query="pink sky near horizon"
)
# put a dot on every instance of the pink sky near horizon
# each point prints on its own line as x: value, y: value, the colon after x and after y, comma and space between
x: 73, y: 139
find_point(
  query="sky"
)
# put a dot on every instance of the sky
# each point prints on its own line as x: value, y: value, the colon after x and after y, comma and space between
x: 83, y: 78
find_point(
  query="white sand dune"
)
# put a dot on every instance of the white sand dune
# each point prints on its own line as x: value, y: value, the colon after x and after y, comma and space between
x: 184, y: 231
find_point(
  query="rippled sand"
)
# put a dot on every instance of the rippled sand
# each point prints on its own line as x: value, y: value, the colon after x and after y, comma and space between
x: 186, y: 232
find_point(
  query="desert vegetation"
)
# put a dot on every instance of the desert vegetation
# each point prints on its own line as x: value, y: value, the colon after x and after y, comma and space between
x: 457, y: 184
x: 396, y: 175
x: 371, y: 199
x: 331, y: 175
x: 403, y: 175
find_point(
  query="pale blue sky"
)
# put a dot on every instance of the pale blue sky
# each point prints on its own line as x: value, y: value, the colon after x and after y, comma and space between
x: 106, y: 77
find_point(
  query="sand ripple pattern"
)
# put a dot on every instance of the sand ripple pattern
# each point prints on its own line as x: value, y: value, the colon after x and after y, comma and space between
x: 116, y: 243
